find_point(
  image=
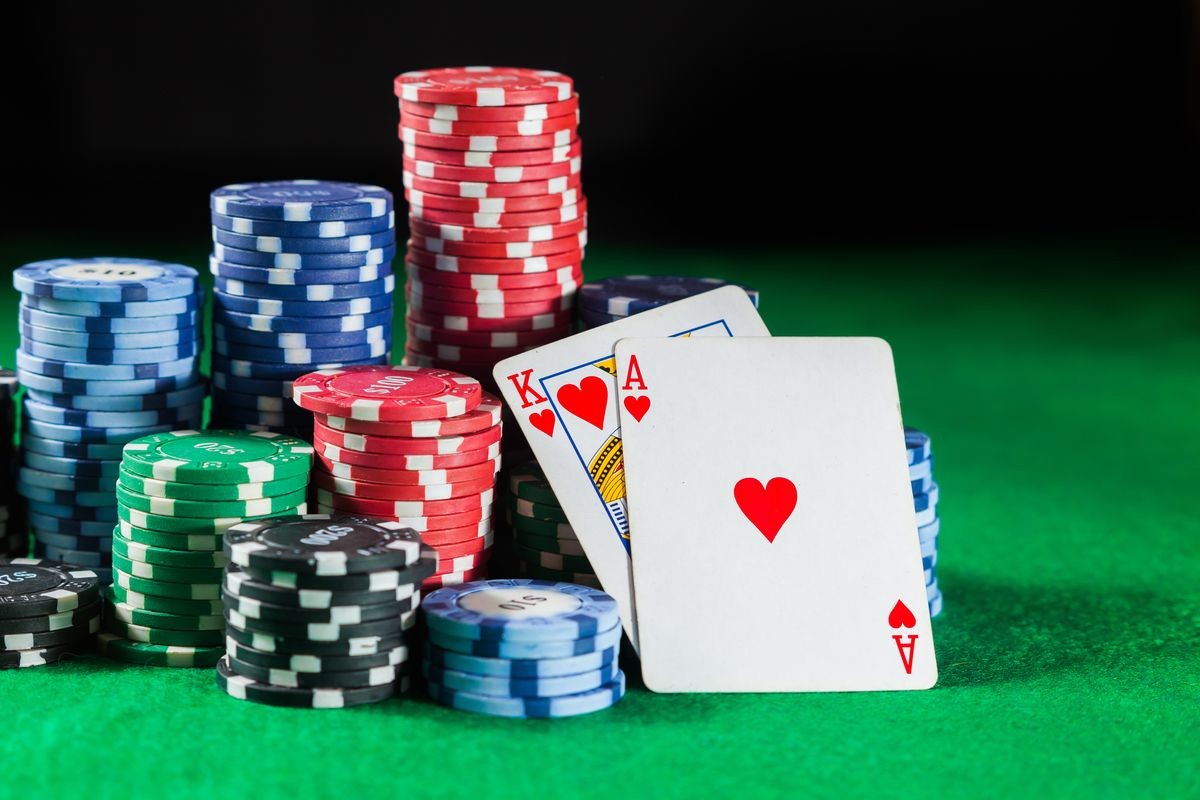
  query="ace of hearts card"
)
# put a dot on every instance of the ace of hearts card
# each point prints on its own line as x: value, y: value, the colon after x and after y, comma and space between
x: 773, y: 534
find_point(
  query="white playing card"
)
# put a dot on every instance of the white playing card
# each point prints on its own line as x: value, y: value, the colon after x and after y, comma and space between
x: 565, y: 401
x: 774, y: 538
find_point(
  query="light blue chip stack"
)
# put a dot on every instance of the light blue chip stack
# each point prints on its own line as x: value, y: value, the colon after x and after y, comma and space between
x: 523, y: 648
x: 925, y: 500
x: 110, y: 351
x: 302, y: 281
x: 14, y: 538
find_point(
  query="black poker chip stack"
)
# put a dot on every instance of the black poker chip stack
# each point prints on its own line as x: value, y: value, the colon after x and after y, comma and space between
x: 543, y: 541
x: 49, y: 611
x: 14, y: 538
x: 319, y: 609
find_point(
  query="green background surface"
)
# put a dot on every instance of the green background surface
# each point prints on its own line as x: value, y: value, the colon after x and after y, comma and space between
x: 1061, y: 387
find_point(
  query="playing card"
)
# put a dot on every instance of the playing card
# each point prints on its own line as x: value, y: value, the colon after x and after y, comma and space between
x: 774, y: 537
x: 565, y: 400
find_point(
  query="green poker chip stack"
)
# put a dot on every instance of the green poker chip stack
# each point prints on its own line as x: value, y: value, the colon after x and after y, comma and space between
x: 542, y: 535
x: 177, y: 494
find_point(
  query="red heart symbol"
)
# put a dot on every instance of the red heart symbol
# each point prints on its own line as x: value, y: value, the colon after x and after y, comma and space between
x: 768, y: 507
x: 543, y: 421
x: 637, y: 406
x: 588, y: 400
x: 901, y: 617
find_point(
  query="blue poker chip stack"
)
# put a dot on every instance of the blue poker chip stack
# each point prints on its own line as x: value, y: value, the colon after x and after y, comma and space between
x: 523, y: 648
x: 110, y: 351
x: 303, y: 280
x: 925, y: 500
x: 611, y: 299
x: 14, y: 539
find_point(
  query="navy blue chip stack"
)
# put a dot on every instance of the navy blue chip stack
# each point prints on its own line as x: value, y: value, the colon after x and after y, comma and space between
x: 925, y: 500
x: 523, y: 648
x: 14, y: 538
x: 611, y: 299
x: 110, y: 351
x: 543, y: 540
x: 302, y: 281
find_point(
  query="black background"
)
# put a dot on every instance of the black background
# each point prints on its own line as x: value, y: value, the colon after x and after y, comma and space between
x: 831, y: 121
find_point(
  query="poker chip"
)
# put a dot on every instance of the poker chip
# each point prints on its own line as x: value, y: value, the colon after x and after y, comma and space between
x: 475, y: 324
x: 156, y: 655
x: 312, y: 664
x: 570, y: 705
x: 304, y: 245
x: 510, y: 688
x: 531, y: 570
x: 566, y: 276
x: 387, y: 393
x: 630, y: 294
x: 519, y: 669
x: 169, y: 605
x: 531, y: 128
x: 490, y: 205
x: 261, y: 306
x: 109, y: 326
x: 483, y: 86
x: 477, y: 182
x: 313, y: 293
x: 106, y: 341
x: 419, y: 514
x: 250, y: 354
x: 327, y: 229
x: 80, y: 308
x: 499, y: 298
x: 403, y: 445
x: 244, y: 688
x: 476, y: 235
x: 493, y: 113
x: 322, y: 545
x: 302, y: 201
x: 219, y: 457
x: 298, y: 277
x: 181, y: 398
x: 429, y: 477
x: 507, y: 219
x: 206, y: 492
x: 520, y: 610
x: 105, y: 280
x: 494, y: 158
x: 146, y: 554
x: 18, y: 645
x: 533, y: 265
x: 40, y: 656
x: 283, y: 324
x: 33, y: 588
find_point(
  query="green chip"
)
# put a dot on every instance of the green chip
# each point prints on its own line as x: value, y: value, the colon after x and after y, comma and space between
x: 184, y: 543
x: 545, y: 574
x: 541, y: 527
x: 526, y: 481
x: 128, y: 614
x: 157, y: 655
x: 167, y: 605
x: 532, y: 510
x: 158, y: 572
x: 549, y: 560
x: 210, y: 491
x: 179, y: 591
x: 141, y: 633
x: 221, y: 457
x: 207, y: 509
x: 192, y: 525
x: 549, y: 544
x: 166, y: 557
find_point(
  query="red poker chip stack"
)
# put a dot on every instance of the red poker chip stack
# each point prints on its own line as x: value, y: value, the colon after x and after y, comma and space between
x: 497, y: 214
x: 413, y: 444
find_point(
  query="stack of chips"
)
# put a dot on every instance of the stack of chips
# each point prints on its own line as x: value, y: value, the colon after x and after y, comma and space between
x: 544, y: 542
x: 318, y: 608
x: 496, y: 213
x: 14, y: 537
x: 925, y: 500
x: 177, y: 494
x: 302, y: 280
x: 109, y: 352
x: 611, y: 299
x: 416, y: 445
x: 523, y: 648
x: 48, y: 611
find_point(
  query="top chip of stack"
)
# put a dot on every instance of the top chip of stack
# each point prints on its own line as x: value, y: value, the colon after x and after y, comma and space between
x: 109, y: 352
x: 497, y: 214
x: 48, y: 611
x: 302, y: 280
x: 925, y: 500
x: 611, y: 299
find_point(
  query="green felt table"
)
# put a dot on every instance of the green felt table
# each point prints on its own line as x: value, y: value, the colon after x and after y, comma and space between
x: 1061, y: 388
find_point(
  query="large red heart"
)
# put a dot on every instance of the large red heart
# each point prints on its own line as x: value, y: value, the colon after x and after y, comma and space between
x: 588, y: 400
x: 543, y: 421
x: 901, y: 616
x: 637, y: 406
x: 767, y: 507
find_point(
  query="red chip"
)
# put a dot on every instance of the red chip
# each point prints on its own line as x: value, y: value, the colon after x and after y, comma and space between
x: 456, y: 322
x: 512, y: 158
x: 527, y: 127
x: 403, y: 445
x: 568, y: 275
x: 485, y: 415
x: 333, y: 453
x: 474, y: 235
x: 387, y: 393
x: 483, y: 86
x: 485, y: 470
x: 490, y: 311
x: 387, y: 491
x: 491, y: 114
x: 495, y: 266
x: 419, y: 201
x: 516, y: 219
x: 526, y: 179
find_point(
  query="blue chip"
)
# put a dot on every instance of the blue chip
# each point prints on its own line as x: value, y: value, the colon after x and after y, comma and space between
x: 917, y: 444
x: 95, y: 544
x: 929, y: 532
x: 935, y: 605
x: 265, y: 387
x: 301, y: 201
x: 78, y: 434
x: 66, y: 497
x: 70, y: 466
x: 929, y: 562
x: 272, y: 323
x: 90, y: 451
x: 71, y: 370
x: 921, y: 485
x: 66, y: 483
x: 105, y: 388
x: 928, y: 500
x: 594, y: 319
x: 153, y: 308
x: 189, y: 396
x: 926, y: 516
x: 916, y: 472
x: 515, y: 669
x: 557, y: 648
x: 253, y: 258
x: 520, y: 610
x: 520, y: 687
x: 301, y: 341
x: 263, y: 370
x: 71, y: 527
x: 334, y: 229
x: 300, y: 308
x: 312, y: 293
x: 109, y: 325
x: 106, y: 514
x: 107, y: 341
x: 256, y: 402
x: 629, y: 294
x: 569, y: 705
x: 186, y: 415
x: 305, y: 245
x: 105, y: 280
x: 130, y: 356
x: 298, y: 277
x: 77, y: 557
x: 330, y: 355
x: 931, y: 590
